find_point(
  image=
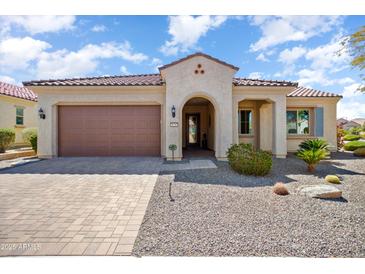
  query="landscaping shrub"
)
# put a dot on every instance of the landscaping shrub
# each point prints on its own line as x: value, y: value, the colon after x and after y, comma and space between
x: 7, y: 137
x: 244, y: 159
x: 360, y: 152
x: 280, y: 189
x: 351, y: 146
x: 355, y: 130
x: 340, y: 134
x: 33, y: 142
x: 28, y: 132
x: 333, y: 179
x: 351, y: 137
x: 312, y: 152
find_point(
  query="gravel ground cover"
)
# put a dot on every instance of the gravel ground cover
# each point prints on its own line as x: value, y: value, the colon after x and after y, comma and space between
x: 217, y: 212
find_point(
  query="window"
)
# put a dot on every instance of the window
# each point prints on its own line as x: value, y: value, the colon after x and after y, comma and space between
x: 19, y: 116
x: 245, y: 123
x: 297, y: 121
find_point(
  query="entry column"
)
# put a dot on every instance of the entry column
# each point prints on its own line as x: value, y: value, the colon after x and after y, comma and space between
x: 279, y: 127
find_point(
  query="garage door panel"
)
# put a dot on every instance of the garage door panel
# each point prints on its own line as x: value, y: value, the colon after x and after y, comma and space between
x: 109, y: 130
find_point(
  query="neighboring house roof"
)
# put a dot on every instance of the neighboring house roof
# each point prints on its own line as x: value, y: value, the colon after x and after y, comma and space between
x: 199, y: 54
x: 18, y: 92
x: 308, y: 92
x: 360, y: 121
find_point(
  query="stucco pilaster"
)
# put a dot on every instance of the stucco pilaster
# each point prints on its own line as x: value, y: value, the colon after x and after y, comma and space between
x: 279, y: 127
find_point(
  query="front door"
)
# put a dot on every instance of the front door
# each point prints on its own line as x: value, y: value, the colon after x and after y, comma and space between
x: 193, y: 129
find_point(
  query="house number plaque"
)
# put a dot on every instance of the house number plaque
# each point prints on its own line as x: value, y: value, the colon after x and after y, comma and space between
x: 174, y: 124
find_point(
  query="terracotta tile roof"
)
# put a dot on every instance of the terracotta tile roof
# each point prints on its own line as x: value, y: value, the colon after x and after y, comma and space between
x: 199, y: 54
x: 308, y: 92
x: 124, y: 80
x: 18, y: 92
x: 260, y: 82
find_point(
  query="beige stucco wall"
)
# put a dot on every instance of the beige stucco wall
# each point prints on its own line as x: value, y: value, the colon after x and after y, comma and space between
x: 329, y: 118
x: 8, y: 106
x: 215, y: 85
x: 50, y: 97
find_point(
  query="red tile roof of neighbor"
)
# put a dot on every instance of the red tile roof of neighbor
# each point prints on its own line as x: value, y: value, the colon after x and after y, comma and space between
x: 18, y: 92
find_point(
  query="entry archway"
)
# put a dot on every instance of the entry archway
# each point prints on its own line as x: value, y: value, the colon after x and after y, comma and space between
x: 198, y: 130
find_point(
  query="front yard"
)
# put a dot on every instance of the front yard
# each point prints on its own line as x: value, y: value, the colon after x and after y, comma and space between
x: 217, y: 212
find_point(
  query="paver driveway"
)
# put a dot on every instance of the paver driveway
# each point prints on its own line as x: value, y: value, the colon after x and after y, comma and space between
x: 75, y: 206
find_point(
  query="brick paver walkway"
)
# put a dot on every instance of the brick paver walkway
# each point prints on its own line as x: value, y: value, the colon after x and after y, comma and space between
x: 75, y: 206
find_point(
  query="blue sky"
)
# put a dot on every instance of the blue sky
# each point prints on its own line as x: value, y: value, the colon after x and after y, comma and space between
x: 297, y: 48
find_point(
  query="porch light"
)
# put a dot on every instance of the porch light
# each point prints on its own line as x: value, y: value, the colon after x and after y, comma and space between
x: 41, y: 114
x: 173, y: 111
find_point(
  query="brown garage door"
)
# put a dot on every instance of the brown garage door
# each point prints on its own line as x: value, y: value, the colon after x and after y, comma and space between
x: 109, y: 130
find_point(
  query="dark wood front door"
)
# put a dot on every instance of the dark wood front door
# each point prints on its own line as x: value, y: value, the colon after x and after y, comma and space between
x: 193, y: 129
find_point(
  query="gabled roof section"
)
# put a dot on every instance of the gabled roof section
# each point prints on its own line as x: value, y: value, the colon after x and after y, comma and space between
x: 308, y: 92
x: 196, y: 55
x: 261, y: 82
x: 124, y: 80
x: 17, y: 92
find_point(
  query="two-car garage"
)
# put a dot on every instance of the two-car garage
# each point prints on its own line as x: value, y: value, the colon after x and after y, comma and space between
x: 109, y: 130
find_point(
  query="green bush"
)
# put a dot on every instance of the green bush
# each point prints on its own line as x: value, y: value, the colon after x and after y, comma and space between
x: 351, y: 146
x: 28, y: 132
x: 351, y: 137
x: 312, y: 152
x: 7, y: 137
x: 244, y: 159
x: 33, y: 141
x: 355, y: 130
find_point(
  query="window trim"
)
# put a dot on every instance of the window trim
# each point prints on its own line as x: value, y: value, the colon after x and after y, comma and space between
x: 252, y: 134
x: 309, y: 134
x: 16, y: 115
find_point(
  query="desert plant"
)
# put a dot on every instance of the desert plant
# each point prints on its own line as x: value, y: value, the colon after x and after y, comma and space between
x: 351, y: 146
x: 7, y: 137
x: 280, y: 189
x: 355, y: 130
x: 244, y: 159
x: 360, y: 152
x: 351, y: 137
x: 33, y: 142
x: 333, y: 179
x: 172, y: 147
x: 312, y: 152
x: 28, y: 132
x: 340, y: 135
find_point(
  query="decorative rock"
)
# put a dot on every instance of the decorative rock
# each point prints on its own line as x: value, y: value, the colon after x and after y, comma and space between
x: 360, y: 152
x: 321, y: 191
x: 280, y: 189
x: 333, y: 179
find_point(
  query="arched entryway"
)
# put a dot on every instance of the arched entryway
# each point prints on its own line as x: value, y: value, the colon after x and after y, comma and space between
x: 198, y: 128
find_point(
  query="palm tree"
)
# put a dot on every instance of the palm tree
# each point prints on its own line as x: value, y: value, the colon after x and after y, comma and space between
x: 312, y: 152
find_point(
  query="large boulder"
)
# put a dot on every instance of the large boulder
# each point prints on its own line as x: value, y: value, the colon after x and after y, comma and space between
x: 321, y: 191
x: 360, y: 152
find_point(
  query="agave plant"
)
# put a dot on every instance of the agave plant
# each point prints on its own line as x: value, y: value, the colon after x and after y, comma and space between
x: 312, y: 152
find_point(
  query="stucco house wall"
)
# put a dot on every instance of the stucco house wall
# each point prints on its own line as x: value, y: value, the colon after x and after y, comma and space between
x: 8, y: 106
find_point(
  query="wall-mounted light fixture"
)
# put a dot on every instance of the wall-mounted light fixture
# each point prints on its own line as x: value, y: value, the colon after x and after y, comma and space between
x: 41, y: 113
x: 173, y: 111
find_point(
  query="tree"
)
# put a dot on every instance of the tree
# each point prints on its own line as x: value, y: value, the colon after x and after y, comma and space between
x: 354, y: 45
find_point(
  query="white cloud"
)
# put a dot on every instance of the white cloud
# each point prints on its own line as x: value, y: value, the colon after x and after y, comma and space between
x: 281, y: 29
x: 16, y: 53
x: 351, y: 91
x: 99, y: 28
x: 350, y: 109
x: 124, y: 70
x: 289, y: 56
x: 187, y: 30
x: 255, y: 75
x: 39, y: 23
x: 156, y: 63
x: 309, y: 76
x: 262, y: 57
x: 64, y: 63
x: 7, y: 79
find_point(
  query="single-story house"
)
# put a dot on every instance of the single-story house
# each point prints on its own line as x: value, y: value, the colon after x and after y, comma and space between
x: 349, y: 124
x: 18, y: 109
x: 194, y: 102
